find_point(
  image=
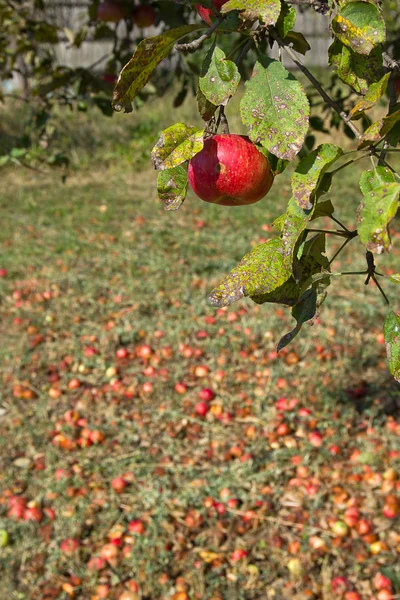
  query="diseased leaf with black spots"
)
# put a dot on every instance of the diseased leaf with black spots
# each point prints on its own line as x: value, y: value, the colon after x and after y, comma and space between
x: 172, y: 186
x: 176, y: 145
x: 392, y: 341
x: 261, y: 271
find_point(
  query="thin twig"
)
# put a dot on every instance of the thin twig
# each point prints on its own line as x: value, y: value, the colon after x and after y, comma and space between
x: 196, y: 44
x: 339, y: 223
x: 316, y: 84
x: 342, y: 247
x: 330, y: 231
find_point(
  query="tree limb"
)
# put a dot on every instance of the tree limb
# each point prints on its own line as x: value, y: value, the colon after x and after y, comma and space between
x: 196, y: 44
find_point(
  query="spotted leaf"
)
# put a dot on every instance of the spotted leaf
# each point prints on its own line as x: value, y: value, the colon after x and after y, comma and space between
x: 360, y: 26
x: 172, y: 185
x: 378, y: 207
x: 392, y: 339
x: 276, y: 109
x: 221, y: 78
x: 266, y: 10
x: 176, y: 145
x: 261, y: 271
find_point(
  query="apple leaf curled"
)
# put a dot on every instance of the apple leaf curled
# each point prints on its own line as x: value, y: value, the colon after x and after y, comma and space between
x: 303, y: 311
x: 360, y: 26
x: 149, y: 53
x: 261, y: 271
x: 276, y: 109
x: 287, y: 19
x: 221, y: 77
x: 392, y: 339
x: 374, y: 94
x: 266, y: 10
x: 176, y: 145
x: 358, y: 71
x: 377, y: 209
x: 172, y: 185
x: 378, y: 130
x: 310, y: 171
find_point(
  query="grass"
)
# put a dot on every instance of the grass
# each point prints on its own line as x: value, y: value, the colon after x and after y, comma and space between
x: 97, y: 263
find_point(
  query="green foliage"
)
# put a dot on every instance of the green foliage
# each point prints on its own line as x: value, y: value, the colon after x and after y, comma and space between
x: 176, y: 145
x: 360, y: 26
x: 172, y: 185
x: 137, y: 72
x: 267, y: 11
x: 276, y: 109
x: 392, y: 340
x: 377, y: 209
x: 221, y: 78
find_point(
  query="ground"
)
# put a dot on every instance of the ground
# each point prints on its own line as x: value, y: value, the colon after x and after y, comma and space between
x: 291, y: 478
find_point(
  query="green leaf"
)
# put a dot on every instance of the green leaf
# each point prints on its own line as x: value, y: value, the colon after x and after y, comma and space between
x: 373, y: 179
x: 172, y: 185
x: 395, y: 278
x: 374, y: 93
x: 298, y: 42
x: 276, y: 109
x: 357, y: 71
x: 4, y: 160
x: 221, y: 79
x: 378, y: 130
x: 261, y: 271
x: 392, y: 339
x: 310, y: 263
x: 377, y: 209
x: 137, y: 72
x: 303, y: 311
x: 176, y: 145
x: 287, y: 19
x: 205, y: 108
x: 323, y: 209
x: 310, y: 171
x: 266, y: 10
x: 360, y: 26
x: 277, y: 164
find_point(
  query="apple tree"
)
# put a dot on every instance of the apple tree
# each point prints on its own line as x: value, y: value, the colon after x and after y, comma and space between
x: 292, y: 268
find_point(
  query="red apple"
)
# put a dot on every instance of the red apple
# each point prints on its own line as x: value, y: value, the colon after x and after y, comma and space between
x: 144, y: 15
x: 118, y: 484
x: 3, y: 272
x: 238, y: 554
x: 381, y: 582
x: 33, y: 514
x: 109, y: 12
x: 69, y: 546
x: 230, y: 171
x: 206, y: 394
x: 207, y: 13
x: 136, y: 526
x: 202, y: 408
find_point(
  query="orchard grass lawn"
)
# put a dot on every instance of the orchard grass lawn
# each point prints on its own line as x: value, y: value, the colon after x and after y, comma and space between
x: 95, y: 266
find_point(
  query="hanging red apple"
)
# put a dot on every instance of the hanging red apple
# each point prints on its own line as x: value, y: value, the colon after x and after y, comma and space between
x: 109, y: 12
x: 144, y: 15
x: 230, y: 171
x: 207, y: 13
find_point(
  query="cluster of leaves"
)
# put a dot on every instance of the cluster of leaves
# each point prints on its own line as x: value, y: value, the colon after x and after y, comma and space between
x: 292, y: 268
x: 31, y: 71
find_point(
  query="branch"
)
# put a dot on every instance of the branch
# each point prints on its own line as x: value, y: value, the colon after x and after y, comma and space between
x: 196, y: 44
x: 316, y: 84
x: 390, y: 63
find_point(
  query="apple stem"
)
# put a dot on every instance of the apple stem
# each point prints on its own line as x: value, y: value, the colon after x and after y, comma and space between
x: 223, y: 121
